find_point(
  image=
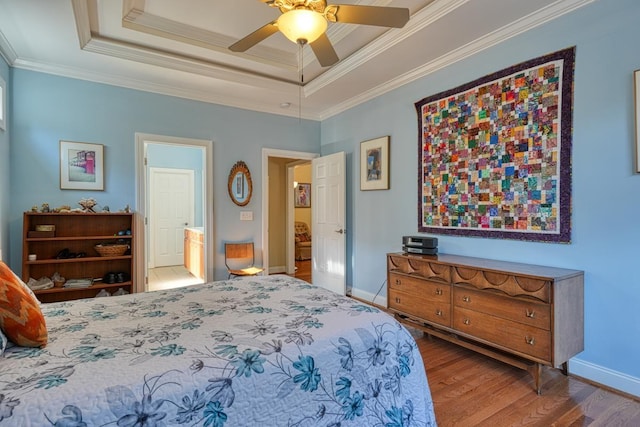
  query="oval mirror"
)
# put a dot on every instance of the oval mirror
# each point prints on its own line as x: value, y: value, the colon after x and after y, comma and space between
x: 240, y: 186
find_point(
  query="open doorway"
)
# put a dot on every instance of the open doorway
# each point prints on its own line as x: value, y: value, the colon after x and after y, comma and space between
x: 302, y: 224
x: 173, y: 177
x: 279, y: 208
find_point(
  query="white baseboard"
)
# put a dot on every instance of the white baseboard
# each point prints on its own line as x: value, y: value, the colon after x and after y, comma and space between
x: 277, y: 269
x: 605, y: 376
x: 369, y: 297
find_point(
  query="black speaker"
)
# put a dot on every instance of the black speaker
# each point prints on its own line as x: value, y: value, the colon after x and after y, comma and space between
x: 420, y: 245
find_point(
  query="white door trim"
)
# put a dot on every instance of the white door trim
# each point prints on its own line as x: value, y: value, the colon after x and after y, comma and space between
x: 286, y: 154
x: 141, y: 210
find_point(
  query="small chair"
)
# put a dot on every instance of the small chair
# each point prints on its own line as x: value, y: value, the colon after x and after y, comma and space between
x: 303, y: 241
x: 239, y: 259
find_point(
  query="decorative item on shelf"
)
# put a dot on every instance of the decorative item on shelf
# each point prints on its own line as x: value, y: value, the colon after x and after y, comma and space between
x: 43, y: 230
x: 111, y: 249
x: 58, y: 280
x: 78, y: 283
x: 40, y: 284
x: 88, y: 204
x: 62, y: 209
x: 106, y: 209
x: 34, y: 208
x: 45, y: 208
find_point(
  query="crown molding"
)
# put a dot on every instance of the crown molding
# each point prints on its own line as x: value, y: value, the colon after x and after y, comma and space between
x: 517, y: 27
x: 161, y: 89
x: 133, y: 52
x: 81, y: 13
x: 6, y: 50
x: 139, y: 20
x: 418, y: 21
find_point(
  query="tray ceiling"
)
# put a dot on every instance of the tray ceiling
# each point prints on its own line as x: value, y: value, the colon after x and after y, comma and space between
x: 181, y: 48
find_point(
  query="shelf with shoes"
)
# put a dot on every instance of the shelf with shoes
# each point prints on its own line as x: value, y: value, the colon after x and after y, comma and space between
x: 68, y: 247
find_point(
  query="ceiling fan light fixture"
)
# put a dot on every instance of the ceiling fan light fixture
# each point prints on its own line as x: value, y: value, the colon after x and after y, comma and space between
x: 302, y: 25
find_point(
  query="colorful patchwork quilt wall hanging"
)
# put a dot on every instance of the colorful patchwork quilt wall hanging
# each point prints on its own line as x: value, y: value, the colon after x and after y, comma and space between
x: 495, y: 154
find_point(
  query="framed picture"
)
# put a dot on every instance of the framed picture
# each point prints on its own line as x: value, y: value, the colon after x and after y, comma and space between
x: 374, y: 164
x: 636, y: 98
x: 81, y: 166
x: 494, y: 155
x: 303, y: 196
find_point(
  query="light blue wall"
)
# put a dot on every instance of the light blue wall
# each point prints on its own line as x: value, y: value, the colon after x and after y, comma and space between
x: 48, y: 108
x: 606, y: 201
x: 5, y: 72
x: 175, y: 157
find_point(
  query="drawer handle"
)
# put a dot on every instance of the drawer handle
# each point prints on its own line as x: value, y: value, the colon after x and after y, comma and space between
x: 466, y: 299
x: 438, y: 291
x: 398, y: 282
x: 466, y: 321
x: 398, y: 300
x: 530, y: 341
x: 530, y: 314
x: 438, y: 312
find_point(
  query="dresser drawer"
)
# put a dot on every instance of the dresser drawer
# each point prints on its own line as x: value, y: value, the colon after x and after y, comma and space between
x: 421, y: 307
x: 505, y: 333
x: 420, y: 287
x: 419, y: 266
x: 510, y: 284
x: 519, y: 310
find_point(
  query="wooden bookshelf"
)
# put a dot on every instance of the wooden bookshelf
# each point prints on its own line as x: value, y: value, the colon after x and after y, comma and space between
x: 78, y: 233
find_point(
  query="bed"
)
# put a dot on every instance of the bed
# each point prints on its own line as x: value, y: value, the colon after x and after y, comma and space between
x: 263, y: 351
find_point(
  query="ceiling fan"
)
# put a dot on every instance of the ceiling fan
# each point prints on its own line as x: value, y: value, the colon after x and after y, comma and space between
x: 305, y: 21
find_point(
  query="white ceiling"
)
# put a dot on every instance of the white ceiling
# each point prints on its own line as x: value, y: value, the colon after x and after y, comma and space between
x: 180, y: 47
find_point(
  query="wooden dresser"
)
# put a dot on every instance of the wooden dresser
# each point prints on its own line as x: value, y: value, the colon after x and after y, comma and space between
x: 524, y: 315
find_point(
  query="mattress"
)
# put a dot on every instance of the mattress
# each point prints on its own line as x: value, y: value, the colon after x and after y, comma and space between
x: 258, y: 351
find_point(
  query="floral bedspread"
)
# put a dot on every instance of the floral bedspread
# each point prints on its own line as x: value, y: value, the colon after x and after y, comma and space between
x: 266, y: 351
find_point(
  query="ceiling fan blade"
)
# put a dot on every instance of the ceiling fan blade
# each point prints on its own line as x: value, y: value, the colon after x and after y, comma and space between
x: 324, y: 51
x: 254, y: 38
x: 381, y: 16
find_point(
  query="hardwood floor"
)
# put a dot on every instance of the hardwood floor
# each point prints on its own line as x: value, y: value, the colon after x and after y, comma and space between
x: 470, y: 389
x: 303, y: 270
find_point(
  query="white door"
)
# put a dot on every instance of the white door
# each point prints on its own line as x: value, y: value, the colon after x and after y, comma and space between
x: 171, y: 206
x: 328, y: 218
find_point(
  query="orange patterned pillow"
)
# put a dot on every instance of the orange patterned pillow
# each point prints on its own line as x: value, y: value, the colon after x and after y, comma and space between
x: 21, y: 319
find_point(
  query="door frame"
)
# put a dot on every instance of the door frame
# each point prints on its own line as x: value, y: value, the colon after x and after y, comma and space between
x: 141, y: 209
x: 287, y: 154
